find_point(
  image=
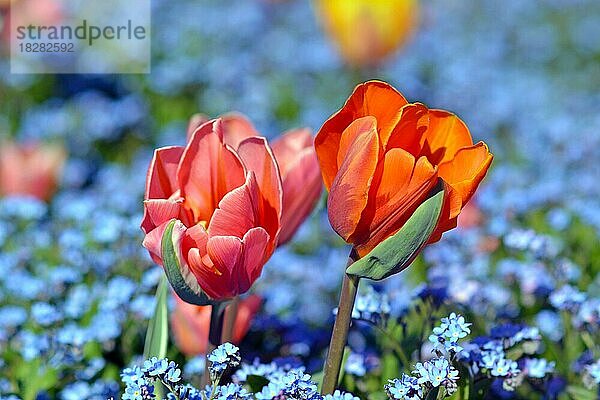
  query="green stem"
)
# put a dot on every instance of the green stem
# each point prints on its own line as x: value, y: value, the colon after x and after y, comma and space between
x: 230, y: 317
x: 441, y: 393
x: 341, y: 326
x: 214, y: 336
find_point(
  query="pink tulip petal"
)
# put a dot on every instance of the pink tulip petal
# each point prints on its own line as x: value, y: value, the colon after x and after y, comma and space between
x: 302, y: 187
x: 161, y: 180
x: 236, y: 128
x: 156, y: 212
x: 255, y: 253
x: 238, y: 210
x: 208, y: 170
x: 287, y: 147
x: 196, y: 121
x: 153, y: 240
x: 258, y: 157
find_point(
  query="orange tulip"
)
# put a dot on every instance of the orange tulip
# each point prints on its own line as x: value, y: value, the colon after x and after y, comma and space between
x: 368, y: 31
x: 31, y: 169
x: 380, y: 156
x: 298, y: 165
x: 227, y: 204
x: 190, y: 323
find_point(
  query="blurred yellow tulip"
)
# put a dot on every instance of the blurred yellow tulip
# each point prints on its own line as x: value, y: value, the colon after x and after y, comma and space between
x: 367, y: 31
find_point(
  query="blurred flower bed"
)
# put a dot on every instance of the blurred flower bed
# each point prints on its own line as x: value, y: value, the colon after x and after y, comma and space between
x: 77, y: 289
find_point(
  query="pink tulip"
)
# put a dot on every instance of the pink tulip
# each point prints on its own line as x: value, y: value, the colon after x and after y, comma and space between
x: 30, y: 12
x: 30, y: 169
x: 298, y: 166
x: 301, y: 179
x: 190, y: 323
x: 227, y: 204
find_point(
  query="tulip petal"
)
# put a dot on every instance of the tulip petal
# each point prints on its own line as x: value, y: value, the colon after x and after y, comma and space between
x: 402, y: 184
x: 465, y: 171
x: 177, y: 269
x: 159, y: 211
x: 287, y: 146
x: 239, y: 261
x: 445, y: 135
x: 152, y: 242
x: 238, y: 210
x: 407, y: 132
x: 196, y: 121
x: 236, y: 128
x: 246, y: 312
x: 350, y: 188
x: 217, y: 281
x: 208, y: 170
x: 355, y: 129
x: 373, y: 98
x: 190, y: 325
x: 161, y: 181
x: 256, y: 253
x: 301, y: 191
x: 258, y: 157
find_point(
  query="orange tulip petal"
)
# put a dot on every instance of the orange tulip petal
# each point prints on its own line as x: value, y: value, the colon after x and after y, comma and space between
x: 208, y: 170
x: 190, y: 325
x: 466, y: 170
x: 445, y: 135
x: 238, y: 210
x: 373, y: 98
x: 246, y: 312
x: 394, y: 201
x: 411, y: 124
x: 258, y: 157
x: 350, y: 189
x: 236, y: 128
x: 355, y: 129
x: 161, y: 181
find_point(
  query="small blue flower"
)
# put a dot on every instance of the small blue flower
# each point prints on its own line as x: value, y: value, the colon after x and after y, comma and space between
x: 155, y: 366
x: 405, y: 388
x: 538, y: 367
x: 225, y: 356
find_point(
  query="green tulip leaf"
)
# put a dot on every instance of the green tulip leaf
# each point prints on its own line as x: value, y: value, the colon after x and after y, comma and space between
x: 397, y: 252
x: 180, y: 277
x: 157, y: 333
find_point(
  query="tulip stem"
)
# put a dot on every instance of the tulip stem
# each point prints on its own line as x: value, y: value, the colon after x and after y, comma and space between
x: 214, y: 336
x: 339, y: 336
x: 230, y: 317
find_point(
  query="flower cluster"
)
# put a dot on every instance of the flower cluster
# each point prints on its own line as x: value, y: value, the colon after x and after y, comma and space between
x: 139, y: 382
x: 282, y: 382
x: 372, y: 306
x: 225, y: 356
x: 449, y: 332
x: 438, y: 373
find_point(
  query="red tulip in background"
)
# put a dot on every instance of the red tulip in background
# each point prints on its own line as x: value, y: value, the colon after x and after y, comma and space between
x: 298, y: 165
x: 30, y: 169
x: 190, y: 323
x: 227, y: 204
